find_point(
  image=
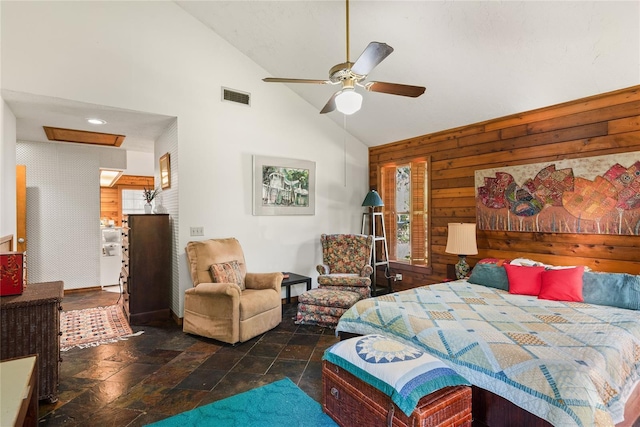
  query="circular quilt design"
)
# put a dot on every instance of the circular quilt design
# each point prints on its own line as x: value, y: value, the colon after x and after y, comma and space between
x: 379, y: 349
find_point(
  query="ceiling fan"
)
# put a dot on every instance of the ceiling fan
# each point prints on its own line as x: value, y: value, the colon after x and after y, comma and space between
x: 351, y: 74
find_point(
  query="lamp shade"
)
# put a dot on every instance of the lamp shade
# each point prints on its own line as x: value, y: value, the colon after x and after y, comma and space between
x: 461, y: 239
x: 348, y: 101
x: 372, y: 199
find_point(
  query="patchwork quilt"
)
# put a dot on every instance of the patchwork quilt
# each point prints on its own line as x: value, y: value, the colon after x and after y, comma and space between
x: 572, y: 364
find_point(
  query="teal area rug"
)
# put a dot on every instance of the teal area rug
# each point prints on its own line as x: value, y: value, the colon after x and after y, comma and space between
x: 277, y: 404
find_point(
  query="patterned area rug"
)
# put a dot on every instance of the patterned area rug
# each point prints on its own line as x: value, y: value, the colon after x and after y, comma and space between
x: 93, y: 326
x: 278, y: 404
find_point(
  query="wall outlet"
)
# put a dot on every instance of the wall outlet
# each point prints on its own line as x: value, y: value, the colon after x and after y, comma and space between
x: 197, y: 231
x: 398, y: 277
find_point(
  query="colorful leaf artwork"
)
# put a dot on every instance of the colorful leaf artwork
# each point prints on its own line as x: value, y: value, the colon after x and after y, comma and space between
x: 549, y: 184
x: 590, y: 200
x: 555, y: 200
x: 521, y: 201
x: 492, y: 193
x: 627, y: 184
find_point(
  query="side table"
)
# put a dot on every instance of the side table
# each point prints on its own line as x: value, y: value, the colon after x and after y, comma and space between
x: 294, y: 279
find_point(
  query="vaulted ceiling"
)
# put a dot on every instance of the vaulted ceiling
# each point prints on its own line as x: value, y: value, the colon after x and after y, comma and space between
x: 478, y: 59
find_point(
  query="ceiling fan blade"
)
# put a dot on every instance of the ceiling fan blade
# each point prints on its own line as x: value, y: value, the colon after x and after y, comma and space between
x: 373, y: 54
x: 282, y: 80
x: 395, y: 89
x: 330, y: 105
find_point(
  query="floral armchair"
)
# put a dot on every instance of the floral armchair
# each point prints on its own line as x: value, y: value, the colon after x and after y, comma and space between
x: 346, y: 263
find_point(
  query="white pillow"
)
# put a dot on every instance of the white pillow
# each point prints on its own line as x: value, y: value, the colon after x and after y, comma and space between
x: 527, y: 262
x: 531, y: 263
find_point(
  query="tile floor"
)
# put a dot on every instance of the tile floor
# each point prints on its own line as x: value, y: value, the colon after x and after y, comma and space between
x: 164, y: 371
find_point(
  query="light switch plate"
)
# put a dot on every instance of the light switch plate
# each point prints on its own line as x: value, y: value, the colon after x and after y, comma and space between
x: 197, y: 231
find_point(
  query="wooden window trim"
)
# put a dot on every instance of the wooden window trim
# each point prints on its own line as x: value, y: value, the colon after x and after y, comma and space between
x: 387, y: 180
x: 400, y: 267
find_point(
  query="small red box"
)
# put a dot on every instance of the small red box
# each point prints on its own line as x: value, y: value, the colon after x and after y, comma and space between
x: 11, y: 273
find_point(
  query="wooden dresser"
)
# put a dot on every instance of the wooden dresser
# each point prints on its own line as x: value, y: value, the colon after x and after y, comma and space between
x: 30, y: 325
x: 146, y: 267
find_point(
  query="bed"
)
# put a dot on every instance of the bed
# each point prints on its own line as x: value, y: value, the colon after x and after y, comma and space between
x: 558, y: 363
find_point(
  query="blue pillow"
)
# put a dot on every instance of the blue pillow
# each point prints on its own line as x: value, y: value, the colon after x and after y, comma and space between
x: 490, y: 275
x: 620, y: 290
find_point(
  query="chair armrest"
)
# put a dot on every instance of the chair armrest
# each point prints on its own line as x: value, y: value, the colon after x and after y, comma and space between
x: 366, y: 271
x: 322, y: 269
x: 264, y: 281
x: 216, y: 290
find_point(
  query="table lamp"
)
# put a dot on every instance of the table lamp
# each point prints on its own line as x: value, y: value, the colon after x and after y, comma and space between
x: 461, y: 240
x: 372, y: 200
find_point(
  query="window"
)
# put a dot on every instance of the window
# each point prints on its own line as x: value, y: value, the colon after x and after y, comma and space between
x: 402, y: 240
x: 132, y: 201
x: 404, y: 192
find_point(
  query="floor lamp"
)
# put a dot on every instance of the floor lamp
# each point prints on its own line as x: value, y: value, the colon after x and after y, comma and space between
x: 461, y: 240
x: 372, y: 201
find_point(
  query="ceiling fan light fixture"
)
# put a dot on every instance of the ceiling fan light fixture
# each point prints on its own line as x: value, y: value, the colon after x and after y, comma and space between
x: 348, y: 101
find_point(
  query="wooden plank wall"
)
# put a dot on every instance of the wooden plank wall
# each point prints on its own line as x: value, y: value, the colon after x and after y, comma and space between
x: 603, y: 124
x: 110, y: 201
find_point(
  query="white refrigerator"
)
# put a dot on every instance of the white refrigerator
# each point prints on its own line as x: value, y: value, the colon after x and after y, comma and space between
x: 111, y: 259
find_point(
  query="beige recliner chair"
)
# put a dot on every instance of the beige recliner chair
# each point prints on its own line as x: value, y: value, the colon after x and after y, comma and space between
x: 226, y: 303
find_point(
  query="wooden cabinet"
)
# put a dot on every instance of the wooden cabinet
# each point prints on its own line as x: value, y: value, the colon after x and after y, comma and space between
x: 146, y: 267
x: 31, y: 325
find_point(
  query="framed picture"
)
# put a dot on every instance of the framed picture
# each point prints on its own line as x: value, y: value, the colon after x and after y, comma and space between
x: 165, y: 171
x: 283, y: 186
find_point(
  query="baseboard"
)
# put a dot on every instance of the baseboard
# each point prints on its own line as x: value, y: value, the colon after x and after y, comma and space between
x: 176, y: 318
x: 78, y: 290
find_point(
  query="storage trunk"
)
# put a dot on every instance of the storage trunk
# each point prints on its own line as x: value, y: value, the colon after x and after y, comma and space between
x: 30, y: 324
x: 353, y: 402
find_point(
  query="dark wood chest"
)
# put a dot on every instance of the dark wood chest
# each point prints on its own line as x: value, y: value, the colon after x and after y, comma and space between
x: 146, y: 267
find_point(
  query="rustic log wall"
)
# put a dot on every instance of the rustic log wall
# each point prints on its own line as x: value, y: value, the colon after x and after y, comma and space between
x: 603, y: 124
x: 110, y: 200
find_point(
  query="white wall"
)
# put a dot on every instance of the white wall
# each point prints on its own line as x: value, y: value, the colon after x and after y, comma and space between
x: 168, y: 199
x: 63, y: 212
x: 139, y: 163
x: 7, y: 172
x: 158, y: 59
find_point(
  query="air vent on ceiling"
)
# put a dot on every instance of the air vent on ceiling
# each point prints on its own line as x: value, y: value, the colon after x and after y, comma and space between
x: 232, y: 95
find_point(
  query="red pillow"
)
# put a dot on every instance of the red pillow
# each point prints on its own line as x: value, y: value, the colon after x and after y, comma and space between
x: 562, y: 285
x: 524, y: 280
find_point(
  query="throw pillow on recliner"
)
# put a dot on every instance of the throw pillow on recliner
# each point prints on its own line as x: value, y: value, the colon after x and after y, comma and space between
x: 227, y: 272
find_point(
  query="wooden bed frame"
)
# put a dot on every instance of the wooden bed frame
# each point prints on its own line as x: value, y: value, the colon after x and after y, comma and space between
x: 491, y: 410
